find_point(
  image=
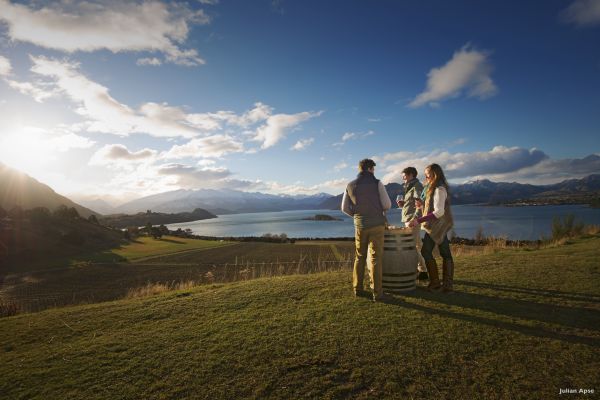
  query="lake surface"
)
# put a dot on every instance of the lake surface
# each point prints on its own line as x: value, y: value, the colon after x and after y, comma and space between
x: 528, y: 223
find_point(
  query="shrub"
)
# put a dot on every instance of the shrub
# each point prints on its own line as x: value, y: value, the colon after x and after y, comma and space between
x: 8, y: 309
x: 479, y: 235
x: 566, y: 227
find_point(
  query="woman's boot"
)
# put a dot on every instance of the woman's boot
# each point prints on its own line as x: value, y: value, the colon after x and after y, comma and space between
x: 434, y: 279
x: 448, y: 275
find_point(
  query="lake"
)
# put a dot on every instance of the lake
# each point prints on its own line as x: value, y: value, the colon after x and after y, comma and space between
x: 525, y: 223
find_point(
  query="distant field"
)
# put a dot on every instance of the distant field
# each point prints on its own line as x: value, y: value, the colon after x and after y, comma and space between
x: 147, y: 247
x: 521, y: 325
x: 253, y: 252
x: 111, y: 274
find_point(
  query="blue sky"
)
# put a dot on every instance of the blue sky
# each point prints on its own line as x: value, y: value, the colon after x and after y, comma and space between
x: 125, y: 99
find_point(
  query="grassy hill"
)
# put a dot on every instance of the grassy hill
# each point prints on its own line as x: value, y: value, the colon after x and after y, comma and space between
x: 19, y: 189
x: 522, y: 325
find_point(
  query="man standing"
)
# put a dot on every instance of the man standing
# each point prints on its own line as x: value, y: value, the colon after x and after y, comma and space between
x: 412, y: 191
x: 366, y: 200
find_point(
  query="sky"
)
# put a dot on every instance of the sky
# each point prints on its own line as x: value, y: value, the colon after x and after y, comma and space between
x: 120, y: 100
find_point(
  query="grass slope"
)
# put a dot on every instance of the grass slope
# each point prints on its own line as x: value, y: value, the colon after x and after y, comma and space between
x: 522, y: 325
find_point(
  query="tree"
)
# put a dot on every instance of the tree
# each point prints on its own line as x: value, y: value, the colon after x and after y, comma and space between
x: 61, y: 211
x: 148, y: 228
x: 155, y: 232
x: 93, y: 219
x: 163, y: 229
x: 39, y: 215
x: 72, y: 213
x: 16, y: 213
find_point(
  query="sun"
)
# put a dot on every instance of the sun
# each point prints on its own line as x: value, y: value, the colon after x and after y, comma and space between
x: 26, y: 149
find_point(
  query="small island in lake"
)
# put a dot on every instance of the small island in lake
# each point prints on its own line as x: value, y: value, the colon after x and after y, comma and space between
x: 322, y: 217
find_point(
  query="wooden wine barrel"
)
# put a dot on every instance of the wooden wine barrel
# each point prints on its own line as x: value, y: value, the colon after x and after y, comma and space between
x: 399, y: 261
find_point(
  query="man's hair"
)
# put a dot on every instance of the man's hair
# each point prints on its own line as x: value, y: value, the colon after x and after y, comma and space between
x: 410, y: 171
x: 365, y: 164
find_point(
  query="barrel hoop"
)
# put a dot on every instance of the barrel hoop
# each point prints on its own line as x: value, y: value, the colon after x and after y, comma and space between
x: 399, y: 275
x: 408, y: 248
x: 390, y: 249
x: 398, y: 284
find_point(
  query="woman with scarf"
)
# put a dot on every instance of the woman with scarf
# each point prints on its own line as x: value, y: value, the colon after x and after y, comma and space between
x: 436, y: 222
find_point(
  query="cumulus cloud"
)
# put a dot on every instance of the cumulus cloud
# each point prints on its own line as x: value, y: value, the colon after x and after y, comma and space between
x: 276, y: 127
x: 302, y: 144
x: 190, y: 177
x: 582, y: 13
x: 103, y: 112
x: 152, y: 61
x: 553, y: 170
x: 340, y: 166
x: 348, y: 136
x: 37, y: 91
x: 112, y: 25
x: 468, y: 71
x: 118, y: 154
x: 5, y: 67
x: 353, y: 136
x: 207, y: 147
x: 499, y: 160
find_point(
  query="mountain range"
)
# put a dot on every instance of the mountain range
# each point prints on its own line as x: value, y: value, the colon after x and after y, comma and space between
x: 487, y: 192
x: 17, y: 188
x: 222, y: 201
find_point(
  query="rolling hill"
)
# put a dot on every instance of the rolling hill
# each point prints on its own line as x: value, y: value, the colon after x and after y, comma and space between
x: 19, y: 189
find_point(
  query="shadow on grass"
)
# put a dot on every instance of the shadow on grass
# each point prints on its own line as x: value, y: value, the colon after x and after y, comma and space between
x: 526, y: 310
x: 538, y: 292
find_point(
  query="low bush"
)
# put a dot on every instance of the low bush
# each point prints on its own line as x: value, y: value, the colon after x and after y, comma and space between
x: 8, y: 309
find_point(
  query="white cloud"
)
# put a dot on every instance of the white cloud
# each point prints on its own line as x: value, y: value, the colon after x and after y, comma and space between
x: 153, y: 61
x: 499, y: 160
x: 582, y: 13
x: 302, y: 144
x: 119, y: 155
x: 469, y: 70
x: 103, y: 112
x: 277, y: 125
x: 353, y: 136
x: 36, y: 91
x: 552, y: 170
x: 340, y: 166
x: 5, y: 67
x: 207, y: 147
x: 192, y: 177
x: 348, y: 136
x: 112, y: 25
x: 67, y: 141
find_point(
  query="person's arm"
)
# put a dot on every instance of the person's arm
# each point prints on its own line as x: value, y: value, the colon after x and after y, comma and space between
x: 439, y: 200
x: 386, y: 203
x: 347, y: 206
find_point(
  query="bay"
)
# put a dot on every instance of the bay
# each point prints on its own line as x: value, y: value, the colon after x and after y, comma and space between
x: 523, y: 223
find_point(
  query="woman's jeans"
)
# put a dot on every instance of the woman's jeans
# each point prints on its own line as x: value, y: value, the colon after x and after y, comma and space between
x: 429, y: 244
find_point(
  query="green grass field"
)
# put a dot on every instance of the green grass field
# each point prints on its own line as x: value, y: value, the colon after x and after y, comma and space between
x: 111, y: 274
x: 522, y: 325
x: 146, y: 247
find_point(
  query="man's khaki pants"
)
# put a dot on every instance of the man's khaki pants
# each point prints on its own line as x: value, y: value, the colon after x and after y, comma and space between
x: 368, y: 241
